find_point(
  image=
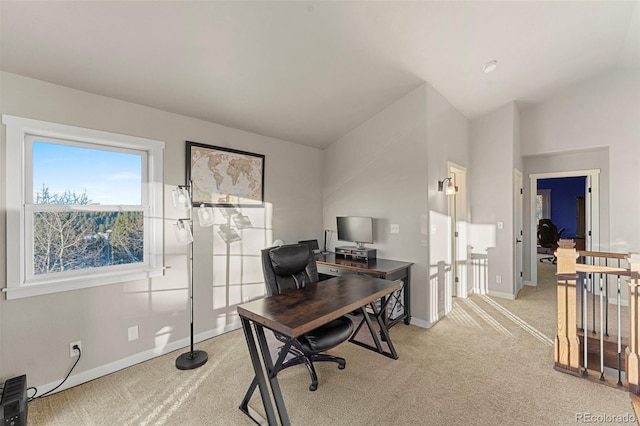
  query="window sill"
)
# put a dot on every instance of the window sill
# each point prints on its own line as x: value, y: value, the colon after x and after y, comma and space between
x: 80, y: 282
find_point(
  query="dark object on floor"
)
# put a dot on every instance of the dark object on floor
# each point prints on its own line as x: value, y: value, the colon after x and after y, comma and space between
x: 13, y: 405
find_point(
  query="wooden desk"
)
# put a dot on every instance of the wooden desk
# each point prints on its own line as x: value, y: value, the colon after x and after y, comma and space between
x: 400, y: 305
x: 296, y: 312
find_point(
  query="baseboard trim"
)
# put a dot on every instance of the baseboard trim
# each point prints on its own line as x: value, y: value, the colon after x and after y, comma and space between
x: 421, y: 323
x: 501, y: 295
x: 112, y: 367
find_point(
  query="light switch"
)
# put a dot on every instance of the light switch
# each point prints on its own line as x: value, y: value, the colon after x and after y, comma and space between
x: 500, y: 225
x: 395, y: 228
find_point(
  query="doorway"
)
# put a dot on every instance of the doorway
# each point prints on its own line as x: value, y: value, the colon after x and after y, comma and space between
x: 589, y: 205
x: 459, y: 241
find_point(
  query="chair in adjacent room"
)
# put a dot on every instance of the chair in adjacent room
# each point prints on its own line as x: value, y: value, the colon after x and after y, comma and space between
x: 290, y: 267
x: 548, y: 237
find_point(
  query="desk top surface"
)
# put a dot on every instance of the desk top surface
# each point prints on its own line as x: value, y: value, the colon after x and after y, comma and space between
x: 296, y: 312
x: 383, y: 266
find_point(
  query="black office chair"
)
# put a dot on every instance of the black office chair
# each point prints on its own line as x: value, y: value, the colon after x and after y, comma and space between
x: 287, y: 268
x: 548, y: 237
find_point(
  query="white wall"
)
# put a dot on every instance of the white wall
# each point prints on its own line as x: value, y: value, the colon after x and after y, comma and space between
x: 447, y: 141
x: 601, y: 112
x: 36, y: 332
x: 379, y: 169
x: 491, y: 186
x: 388, y: 168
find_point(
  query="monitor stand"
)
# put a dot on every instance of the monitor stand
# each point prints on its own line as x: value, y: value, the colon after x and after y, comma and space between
x: 356, y: 253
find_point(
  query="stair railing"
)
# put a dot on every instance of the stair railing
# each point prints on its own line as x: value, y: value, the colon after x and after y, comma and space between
x: 592, y: 275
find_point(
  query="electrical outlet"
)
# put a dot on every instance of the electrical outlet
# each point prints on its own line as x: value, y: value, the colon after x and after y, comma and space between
x: 498, y: 279
x: 72, y: 352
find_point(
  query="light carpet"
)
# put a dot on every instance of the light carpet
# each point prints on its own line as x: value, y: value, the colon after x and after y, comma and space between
x: 488, y: 362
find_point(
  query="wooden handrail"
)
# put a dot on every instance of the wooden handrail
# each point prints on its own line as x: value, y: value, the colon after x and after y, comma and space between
x: 584, y: 253
x: 582, y: 267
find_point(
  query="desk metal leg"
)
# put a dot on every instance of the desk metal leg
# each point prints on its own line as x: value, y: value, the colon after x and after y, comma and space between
x: 383, y: 330
x: 259, y: 379
x: 407, y: 297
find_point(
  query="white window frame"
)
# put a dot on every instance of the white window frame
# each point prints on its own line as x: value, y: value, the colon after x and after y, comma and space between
x: 23, y: 283
x: 546, y: 203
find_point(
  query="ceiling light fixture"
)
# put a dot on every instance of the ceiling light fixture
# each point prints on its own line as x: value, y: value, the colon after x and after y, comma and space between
x: 490, y: 66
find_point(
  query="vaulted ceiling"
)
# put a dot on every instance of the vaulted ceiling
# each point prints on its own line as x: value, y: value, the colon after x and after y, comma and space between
x: 308, y: 72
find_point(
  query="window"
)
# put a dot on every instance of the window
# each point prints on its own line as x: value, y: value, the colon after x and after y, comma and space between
x: 84, y: 207
x: 543, y: 205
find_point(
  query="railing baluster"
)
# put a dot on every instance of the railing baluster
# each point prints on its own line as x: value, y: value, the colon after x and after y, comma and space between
x: 601, y: 330
x: 581, y: 279
x: 486, y: 275
x: 606, y: 299
x: 619, y: 335
x: 584, y: 334
x: 593, y: 297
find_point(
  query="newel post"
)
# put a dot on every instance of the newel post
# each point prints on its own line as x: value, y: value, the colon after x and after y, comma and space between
x: 632, y: 353
x: 567, y: 345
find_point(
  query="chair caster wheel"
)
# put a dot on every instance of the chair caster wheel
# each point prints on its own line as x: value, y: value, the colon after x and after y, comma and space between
x: 342, y: 366
x: 313, y: 387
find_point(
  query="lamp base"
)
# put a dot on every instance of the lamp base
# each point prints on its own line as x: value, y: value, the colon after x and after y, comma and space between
x: 191, y: 360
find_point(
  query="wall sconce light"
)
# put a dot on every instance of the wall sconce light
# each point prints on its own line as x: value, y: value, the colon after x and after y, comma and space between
x: 205, y: 215
x: 450, y: 189
x: 181, y: 197
x: 182, y: 230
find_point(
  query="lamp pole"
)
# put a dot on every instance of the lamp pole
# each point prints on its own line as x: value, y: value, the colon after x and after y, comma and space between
x: 193, y: 358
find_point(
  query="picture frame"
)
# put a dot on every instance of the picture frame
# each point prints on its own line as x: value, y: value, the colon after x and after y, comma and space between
x: 224, y: 177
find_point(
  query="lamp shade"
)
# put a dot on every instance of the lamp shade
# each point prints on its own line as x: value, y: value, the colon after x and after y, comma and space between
x: 451, y: 188
x: 182, y: 232
x: 181, y: 198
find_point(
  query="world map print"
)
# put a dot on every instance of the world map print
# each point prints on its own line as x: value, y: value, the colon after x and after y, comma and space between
x: 224, y: 177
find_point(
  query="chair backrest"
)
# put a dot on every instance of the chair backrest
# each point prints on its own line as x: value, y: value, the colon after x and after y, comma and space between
x: 288, y: 267
x: 547, y: 233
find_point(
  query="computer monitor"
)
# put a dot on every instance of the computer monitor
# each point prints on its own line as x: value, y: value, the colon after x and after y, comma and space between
x: 357, y: 229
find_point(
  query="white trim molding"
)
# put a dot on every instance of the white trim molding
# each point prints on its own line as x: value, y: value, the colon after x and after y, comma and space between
x: 19, y: 137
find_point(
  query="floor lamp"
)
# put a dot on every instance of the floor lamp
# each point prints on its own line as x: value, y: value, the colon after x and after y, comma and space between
x: 184, y: 235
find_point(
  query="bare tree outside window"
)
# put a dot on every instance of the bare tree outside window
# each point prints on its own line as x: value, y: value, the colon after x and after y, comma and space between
x: 76, y: 239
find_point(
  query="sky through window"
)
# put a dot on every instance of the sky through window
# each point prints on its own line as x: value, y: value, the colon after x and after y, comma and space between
x: 108, y: 177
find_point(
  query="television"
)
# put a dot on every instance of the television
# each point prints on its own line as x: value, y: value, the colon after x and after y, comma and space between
x: 357, y: 229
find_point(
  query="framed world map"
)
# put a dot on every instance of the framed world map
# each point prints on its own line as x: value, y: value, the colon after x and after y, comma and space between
x: 224, y: 177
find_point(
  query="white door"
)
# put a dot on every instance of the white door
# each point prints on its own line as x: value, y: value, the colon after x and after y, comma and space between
x: 518, y: 199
